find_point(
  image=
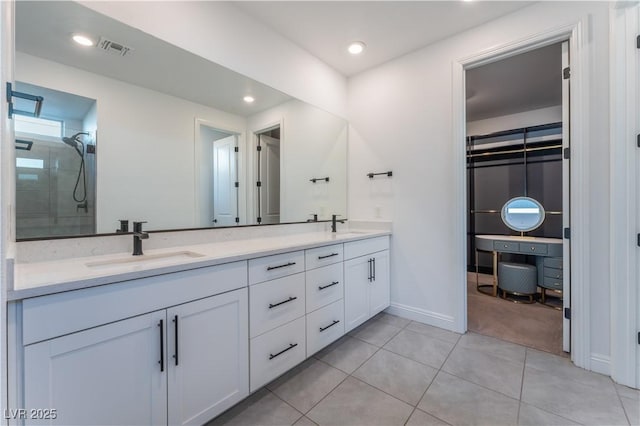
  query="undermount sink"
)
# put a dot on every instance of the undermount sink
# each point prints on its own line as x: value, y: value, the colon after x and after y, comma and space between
x: 144, y: 259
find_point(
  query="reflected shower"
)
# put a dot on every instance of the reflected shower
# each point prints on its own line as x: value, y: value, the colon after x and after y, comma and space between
x: 75, y: 142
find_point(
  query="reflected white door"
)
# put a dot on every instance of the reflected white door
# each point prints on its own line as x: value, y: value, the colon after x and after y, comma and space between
x: 566, y: 196
x: 270, y: 178
x: 225, y: 194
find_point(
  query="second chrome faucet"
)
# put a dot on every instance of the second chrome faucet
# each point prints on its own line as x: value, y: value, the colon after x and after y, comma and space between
x: 138, y: 236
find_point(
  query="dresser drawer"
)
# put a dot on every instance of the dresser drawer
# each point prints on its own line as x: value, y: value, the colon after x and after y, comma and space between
x: 553, y: 262
x: 273, y: 303
x: 506, y: 246
x: 364, y: 247
x: 322, y: 256
x: 275, y: 352
x: 552, y: 283
x: 276, y: 266
x: 553, y: 273
x: 324, y: 285
x: 533, y: 248
x: 324, y: 326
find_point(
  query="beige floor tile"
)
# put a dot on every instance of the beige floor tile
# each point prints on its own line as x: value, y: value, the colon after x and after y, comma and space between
x: 347, y: 354
x: 438, y: 333
x: 305, y: 421
x: 355, y: 403
x: 420, y: 418
x: 495, y: 347
x: 583, y: 403
x: 563, y: 367
x: 393, y: 320
x: 532, y: 416
x: 261, y: 408
x: 396, y: 375
x: 486, y: 370
x: 418, y: 347
x: 628, y: 392
x: 375, y: 332
x: 460, y: 402
x: 304, y: 386
x: 632, y: 408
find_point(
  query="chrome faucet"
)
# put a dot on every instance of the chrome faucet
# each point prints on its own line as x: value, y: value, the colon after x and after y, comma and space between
x: 138, y: 236
x: 334, y: 222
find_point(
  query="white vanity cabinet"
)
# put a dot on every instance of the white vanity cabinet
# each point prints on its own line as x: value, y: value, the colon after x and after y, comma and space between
x: 184, y: 364
x: 366, y: 280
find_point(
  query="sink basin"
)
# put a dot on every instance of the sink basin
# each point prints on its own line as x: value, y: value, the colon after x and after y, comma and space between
x: 352, y: 233
x: 145, y: 259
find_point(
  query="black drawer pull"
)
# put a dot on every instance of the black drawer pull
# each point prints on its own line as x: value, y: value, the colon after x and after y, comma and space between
x: 329, y: 255
x: 329, y: 326
x: 175, y: 329
x: 273, y: 305
x: 322, y: 287
x: 291, y: 346
x: 269, y: 268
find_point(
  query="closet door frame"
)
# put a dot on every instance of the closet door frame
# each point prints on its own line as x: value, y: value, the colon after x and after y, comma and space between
x: 580, y: 257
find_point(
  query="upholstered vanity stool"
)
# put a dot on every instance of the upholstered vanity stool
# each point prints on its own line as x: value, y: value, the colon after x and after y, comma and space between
x: 517, y: 279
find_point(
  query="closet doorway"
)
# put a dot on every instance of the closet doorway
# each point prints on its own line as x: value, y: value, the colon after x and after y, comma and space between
x: 517, y: 112
x: 268, y: 172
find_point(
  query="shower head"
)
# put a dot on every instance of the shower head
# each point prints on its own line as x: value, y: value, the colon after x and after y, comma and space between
x: 74, y: 140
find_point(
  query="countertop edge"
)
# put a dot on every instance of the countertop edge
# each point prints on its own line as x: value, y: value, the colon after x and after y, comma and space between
x: 79, y: 284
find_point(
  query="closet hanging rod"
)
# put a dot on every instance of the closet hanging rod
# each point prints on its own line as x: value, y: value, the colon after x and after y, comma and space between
x: 314, y: 180
x: 371, y: 175
x: 517, y: 131
x: 514, y: 151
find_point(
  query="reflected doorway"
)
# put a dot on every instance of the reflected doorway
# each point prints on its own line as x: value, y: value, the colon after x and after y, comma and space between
x: 268, y: 172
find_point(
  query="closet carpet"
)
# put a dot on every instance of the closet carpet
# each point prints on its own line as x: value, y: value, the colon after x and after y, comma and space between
x: 535, y: 325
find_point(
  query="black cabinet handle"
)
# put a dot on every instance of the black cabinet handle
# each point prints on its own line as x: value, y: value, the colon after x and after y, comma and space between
x: 269, y: 268
x: 374, y: 269
x: 290, y: 299
x: 329, y: 255
x: 322, y: 287
x: 329, y: 326
x: 175, y: 322
x: 370, y: 277
x: 291, y: 346
x: 161, y: 362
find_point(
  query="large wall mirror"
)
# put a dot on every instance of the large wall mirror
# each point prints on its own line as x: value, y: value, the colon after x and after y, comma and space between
x: 136, y: 128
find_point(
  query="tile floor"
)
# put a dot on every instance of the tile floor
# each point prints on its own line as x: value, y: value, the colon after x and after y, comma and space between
x: 391, y: 371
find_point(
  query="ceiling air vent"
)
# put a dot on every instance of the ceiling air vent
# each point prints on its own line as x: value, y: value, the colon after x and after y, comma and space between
x: 114, y: 47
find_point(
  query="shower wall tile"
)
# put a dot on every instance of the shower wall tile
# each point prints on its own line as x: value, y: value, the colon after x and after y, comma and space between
x: 32, y: 179
x: 32, y: 203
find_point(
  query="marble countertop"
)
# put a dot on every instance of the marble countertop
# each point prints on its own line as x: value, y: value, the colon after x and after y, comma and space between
x: 43, y: 278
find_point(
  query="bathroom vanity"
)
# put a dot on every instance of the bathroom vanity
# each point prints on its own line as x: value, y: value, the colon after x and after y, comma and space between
x: 179, y: 335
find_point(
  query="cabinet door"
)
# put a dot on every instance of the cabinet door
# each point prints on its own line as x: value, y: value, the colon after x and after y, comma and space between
x: 108, y: 375
x: 208, y: 357
x: 356, y: 292
x: 379, y: 291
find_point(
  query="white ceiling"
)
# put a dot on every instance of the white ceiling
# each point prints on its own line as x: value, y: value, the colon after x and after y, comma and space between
x: 44, y: 29
x: 389, y: 28
x: 520, y: 83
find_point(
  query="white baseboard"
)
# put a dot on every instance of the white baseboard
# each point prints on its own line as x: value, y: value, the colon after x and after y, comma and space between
x: 601, y: 364
x: 421, y: 315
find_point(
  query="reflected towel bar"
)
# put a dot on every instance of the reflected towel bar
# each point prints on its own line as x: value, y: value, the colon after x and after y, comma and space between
x: 371, y: 175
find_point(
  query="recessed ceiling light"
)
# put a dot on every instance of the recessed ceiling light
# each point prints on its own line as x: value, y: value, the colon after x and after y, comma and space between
x: 356, y: 48
x: 248, y: 99
x: 82, y: 40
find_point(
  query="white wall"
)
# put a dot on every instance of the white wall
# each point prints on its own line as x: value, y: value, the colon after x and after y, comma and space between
x: 401, y: 120
x: 136, y: 179
x: 533, y: 117
x: 313, y: 145
x: 224, y: 34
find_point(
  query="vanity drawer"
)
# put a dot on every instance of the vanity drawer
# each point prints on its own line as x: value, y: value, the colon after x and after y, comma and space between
x: 276, y: 266
x: 276, y: 302
x: 553, y: 273
x: 322, y: 256
x: 505, y: 246
x: 275, y: 352
x: 324, y: 326
x: 533, y: 248
x: 364, y: 247
x: 552, y: 283
x: 324, y: 285
x: 553, y: 262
